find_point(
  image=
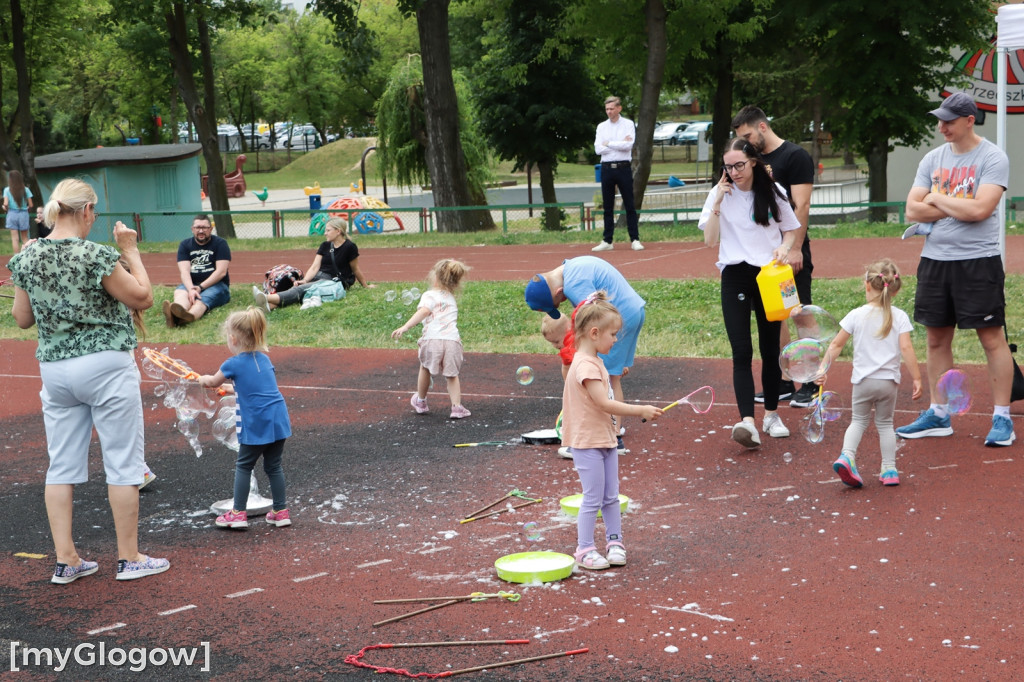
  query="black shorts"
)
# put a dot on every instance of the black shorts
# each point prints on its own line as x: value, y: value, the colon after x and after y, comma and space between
x: 966, y: 293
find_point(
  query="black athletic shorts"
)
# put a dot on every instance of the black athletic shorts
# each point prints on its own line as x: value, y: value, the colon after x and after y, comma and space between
x: 966, y: 293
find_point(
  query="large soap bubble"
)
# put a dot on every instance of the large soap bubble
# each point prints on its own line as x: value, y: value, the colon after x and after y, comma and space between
x: 954, y: 391
x: 813, y: 322
x: 803, y: 360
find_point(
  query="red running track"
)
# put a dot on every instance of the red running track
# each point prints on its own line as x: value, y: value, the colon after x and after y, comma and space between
x: 741, y: 566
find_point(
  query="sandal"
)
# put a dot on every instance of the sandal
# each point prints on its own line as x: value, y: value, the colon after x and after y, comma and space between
x: 591, y: 559
x: 616, y: 553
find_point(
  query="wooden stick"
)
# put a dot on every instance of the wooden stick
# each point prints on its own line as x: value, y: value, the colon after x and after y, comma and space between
x: 6, y: 295
x: 480, y: 595
x: 500, y: 511
x: 488, y: 506
x: 416, y: 613
x: 482, y: 641
x: 516, y: 662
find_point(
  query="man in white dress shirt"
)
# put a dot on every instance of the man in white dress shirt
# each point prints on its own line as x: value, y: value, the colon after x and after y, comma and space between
x: 614, y: 144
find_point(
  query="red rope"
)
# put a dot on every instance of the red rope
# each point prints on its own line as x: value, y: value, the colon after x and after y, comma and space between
x: 355, y: 659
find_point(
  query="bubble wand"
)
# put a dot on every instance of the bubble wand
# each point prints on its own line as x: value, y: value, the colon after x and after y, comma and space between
x: 172, y: 366
x: 701, y: 401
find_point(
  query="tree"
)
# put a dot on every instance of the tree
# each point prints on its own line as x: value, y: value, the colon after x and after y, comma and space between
x: 301, y: 78
x: 886, y: 81
x: 402, y: 143
x: 241, y: 60
x: 201, y: 107
x: 536, y: 102
x: 444, y: 154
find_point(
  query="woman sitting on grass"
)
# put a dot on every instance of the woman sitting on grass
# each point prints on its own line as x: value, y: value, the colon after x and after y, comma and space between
x: 336, y: 259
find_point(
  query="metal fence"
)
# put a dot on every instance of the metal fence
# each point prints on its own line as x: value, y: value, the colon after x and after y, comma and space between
x: 676, y: 208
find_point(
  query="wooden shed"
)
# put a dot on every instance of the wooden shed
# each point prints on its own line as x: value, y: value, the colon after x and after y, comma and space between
x: 135, y: 179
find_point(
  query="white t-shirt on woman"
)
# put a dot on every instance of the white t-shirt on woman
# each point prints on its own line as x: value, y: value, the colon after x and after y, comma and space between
x: 741, y: 240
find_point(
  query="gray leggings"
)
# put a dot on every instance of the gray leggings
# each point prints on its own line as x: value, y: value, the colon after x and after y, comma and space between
x: 881, y: 395
x: 293, y: 295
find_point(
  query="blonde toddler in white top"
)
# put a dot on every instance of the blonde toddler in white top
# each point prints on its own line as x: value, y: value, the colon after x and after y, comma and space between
x: 440, y: 345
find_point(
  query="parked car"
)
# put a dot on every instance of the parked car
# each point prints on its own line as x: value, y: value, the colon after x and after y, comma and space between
x: 693, y: 132
x: 666, y: 132
x: 303, y: 137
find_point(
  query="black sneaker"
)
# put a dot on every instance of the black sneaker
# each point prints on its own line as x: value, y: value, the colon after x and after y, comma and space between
x: 621, y: 446
x: 786, y: 389
x: 805, y: 396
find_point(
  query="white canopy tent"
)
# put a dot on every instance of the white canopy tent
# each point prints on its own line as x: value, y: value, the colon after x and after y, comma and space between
x: 1010, y: 19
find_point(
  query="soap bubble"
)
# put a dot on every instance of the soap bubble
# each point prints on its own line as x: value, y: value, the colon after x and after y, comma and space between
x: 828, y: 410
x: 415, y: 292
x: 407, y: 297
x: 159, y: 390
x: 803, y: 360
x: 787, y: 457
x: 188, y: 428
x: 532, y: 531
x: 954, y: 391
x: 813, y: 322
x: 741, y: 297
x: 390, y: 295
x: 151, y: 369
x: 524, y: 375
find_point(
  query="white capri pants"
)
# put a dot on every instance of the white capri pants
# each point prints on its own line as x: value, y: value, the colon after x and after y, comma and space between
x: 102, y: 390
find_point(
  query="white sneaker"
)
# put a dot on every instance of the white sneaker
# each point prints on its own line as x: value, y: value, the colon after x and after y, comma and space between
x: 637, y: 246
x: 603, y: 246
x: 773, y: 426
x: 565, y: 452
x: 260, y: 298
x: 746, y: 435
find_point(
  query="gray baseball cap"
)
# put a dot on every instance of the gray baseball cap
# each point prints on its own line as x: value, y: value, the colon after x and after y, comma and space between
x: 956, y: 105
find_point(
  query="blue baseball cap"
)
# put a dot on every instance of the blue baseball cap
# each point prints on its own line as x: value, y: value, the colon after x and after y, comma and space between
x: 538, y: 297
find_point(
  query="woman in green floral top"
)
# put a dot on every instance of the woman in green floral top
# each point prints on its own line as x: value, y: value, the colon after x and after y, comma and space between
x: 78, y: 296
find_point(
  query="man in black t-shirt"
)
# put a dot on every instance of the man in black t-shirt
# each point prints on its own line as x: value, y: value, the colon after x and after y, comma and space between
x: 203, y: 261
x: 792, y: 167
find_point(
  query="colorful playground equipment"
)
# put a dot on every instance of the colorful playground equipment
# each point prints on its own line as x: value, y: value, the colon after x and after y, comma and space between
x: 235, y: 180
x: 363, y: 213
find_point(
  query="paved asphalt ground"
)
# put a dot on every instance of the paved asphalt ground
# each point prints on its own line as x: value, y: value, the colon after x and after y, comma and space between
x: 741, y: 565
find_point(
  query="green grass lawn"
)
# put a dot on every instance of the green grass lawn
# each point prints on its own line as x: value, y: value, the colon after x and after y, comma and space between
x: 683, y: 319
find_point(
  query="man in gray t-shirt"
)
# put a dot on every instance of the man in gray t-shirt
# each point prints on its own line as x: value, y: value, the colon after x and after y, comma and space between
x: 960, y: 277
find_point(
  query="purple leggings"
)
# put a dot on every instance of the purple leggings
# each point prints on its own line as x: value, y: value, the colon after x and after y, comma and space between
x: 598, y: 469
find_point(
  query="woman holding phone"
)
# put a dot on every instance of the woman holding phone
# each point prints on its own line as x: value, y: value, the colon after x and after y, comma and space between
x: 751, y: 220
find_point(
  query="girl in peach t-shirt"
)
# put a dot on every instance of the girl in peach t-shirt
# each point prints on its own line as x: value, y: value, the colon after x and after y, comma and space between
x: 587, y: 428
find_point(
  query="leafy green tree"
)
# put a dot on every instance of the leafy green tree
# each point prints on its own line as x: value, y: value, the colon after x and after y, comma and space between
x: 884, y: 81
x: 300, y: 83
x: 444, y: 153
x: 535, y: 103
x: 241, y: 59
x: 403, y: 140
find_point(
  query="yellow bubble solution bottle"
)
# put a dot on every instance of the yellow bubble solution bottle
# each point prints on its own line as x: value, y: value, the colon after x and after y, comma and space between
x: 778, y: 290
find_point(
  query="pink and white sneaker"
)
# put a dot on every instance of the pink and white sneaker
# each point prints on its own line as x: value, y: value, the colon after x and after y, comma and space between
x: 459, y: 412
x: 419, y: 404
x: 233, y: 519
x: 279, y: 518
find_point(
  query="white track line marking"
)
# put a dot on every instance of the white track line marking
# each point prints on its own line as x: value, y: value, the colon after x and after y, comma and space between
x: 177, y: 610
x: 435, y: 549
x: 722, y: 497
x: 831, y: 481
x: 780, y: 488
x: 692, y: 609
x: 996, y: 461
x: 244, y: 593
x: 374, y: 563
x: 945, y: 466
x: 309, y: 577
x: 667, y: 506
x: 109, y: 627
